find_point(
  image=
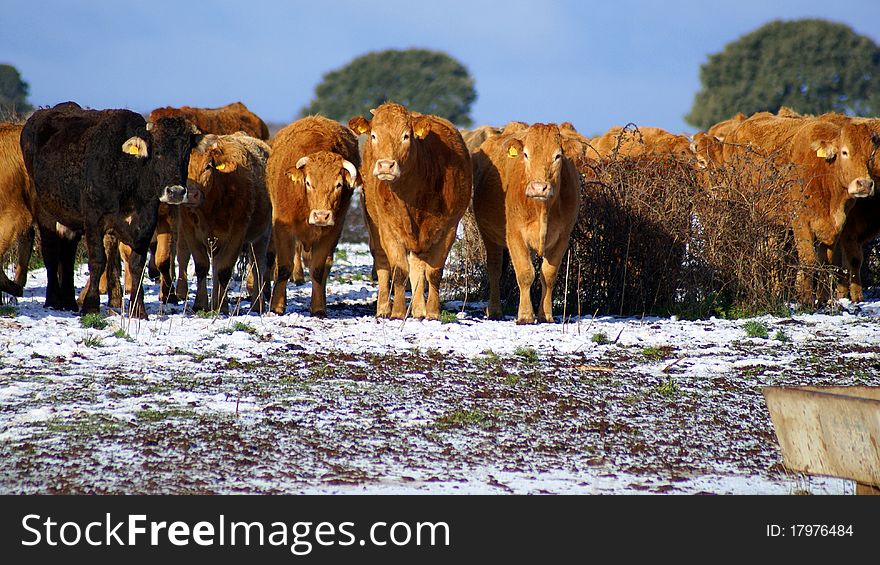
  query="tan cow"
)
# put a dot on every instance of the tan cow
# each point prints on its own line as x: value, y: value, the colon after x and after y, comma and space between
x: 230, y: 172
x: 830, y: 162
x: 17, y: 207
x: 417, y: 186
x: 527, y: 202
x: 641, y: 141
x: 312, y: 174
x: 723, y: 128
x: 473, y: 138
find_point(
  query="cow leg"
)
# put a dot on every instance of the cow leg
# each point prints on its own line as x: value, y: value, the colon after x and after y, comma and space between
x: 494, y: 258
x: 299, y: 277
x: 319, y: 268
x: 399, y: 277
x: 67, y: 256
x: 808, y: 261
x: 417, y: 284
x: 259, y: 256
x: 223, y: 264
x: 284, y: 244
x: 203, y: 263
x: 152, y: 268
x: 25, y: 249
x: 181, y: 288
x: 91, y: 301
x: 549, y: 270
x: 433, y: 269
x: 114, y: 250
x: 162, y: 258
x: 849, y: 256
x: 50, y: 248
x: 521, y: 258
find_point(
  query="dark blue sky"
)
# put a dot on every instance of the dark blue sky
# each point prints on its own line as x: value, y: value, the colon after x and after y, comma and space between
x: 596, y: 64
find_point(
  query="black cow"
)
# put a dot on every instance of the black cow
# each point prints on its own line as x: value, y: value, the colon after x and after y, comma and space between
x: 101, y: 172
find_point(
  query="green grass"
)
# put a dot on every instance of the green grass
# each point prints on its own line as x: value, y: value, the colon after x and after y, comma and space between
x: 8, y: 312
x: 239, y: 327
x: 781, y: 336
x: 653, y: 353
x: 466, y: 419
x: 122, y: 334
x: 527, y: 354
x: 668, y: 389
x: 93, y: 341
x: 206, y: 314
x: 447, y: 317
x: 94, y: 321
x: 599, y: 338
x: 341, y: 255
x: 755, y: 328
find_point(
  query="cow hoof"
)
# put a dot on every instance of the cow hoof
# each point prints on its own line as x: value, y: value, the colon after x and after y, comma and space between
x: 170, y: 299
x: 319, y: 314
x: 299, y: 281
x: 525, y: 321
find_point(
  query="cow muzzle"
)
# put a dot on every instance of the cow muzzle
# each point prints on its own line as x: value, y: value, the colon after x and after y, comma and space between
x: 174, y: 195
x: 321, y: 218
x: 861, y: 188
x: 539, y: 190
x: 387, y: 170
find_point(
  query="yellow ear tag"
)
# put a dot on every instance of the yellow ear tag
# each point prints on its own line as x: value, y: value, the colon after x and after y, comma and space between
x: 362, y: 128
x: 420, y: 133
x: 133, y: 149
x: 821, y: 153
x: 512, y: 152
x: 221, y: 166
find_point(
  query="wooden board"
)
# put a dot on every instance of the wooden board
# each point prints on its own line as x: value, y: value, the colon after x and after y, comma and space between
x: 833, y: 431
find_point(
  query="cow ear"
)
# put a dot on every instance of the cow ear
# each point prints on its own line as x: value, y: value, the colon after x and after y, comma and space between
x: 205, y: 142
x: 514, y: 147
x: 136, y: 146
x: 352, y: 176
x: 295, y: 174
x: 421, y: 126
x: 824, y: 150
x: 359, y: 125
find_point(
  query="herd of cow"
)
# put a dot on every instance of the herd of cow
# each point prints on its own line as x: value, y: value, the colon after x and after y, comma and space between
x: 214, y: 179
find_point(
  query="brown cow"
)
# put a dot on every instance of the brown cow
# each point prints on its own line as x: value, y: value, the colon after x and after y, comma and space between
x: 417, y: 186
x: 641, y: 141
x: 17, y: 207
x: 830, y: 163
x: 225, y: 120
x: 862, y: 222
x: 527, y: 201
x: 723, y: 128
x: 473, y: 138
x: 312, y: 174
x: 229, y: 170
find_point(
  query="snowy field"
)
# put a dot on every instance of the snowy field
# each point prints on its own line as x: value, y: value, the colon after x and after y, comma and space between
x: 350, y: 404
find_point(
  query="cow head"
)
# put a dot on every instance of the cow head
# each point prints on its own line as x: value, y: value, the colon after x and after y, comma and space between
x: 215, y: 155
x: 541, y: 153
x: 848, y: 154
x: 165, y: 151
x: 392, y: 134
x: 328, y: 181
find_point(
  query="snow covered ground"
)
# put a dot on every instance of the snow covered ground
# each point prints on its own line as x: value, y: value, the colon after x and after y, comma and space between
x: 350, y: 404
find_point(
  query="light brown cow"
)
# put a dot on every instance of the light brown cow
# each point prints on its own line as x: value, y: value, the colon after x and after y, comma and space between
x: 830, y: 163
x: 312, y: 174
x: 417, y: 186
x: 862, y: 221
x: 17, y: 207
x: 527, y: 202
x: 230, y: 172
x: 473, y: 138
x: 225, y: 120
x: 723, y: 128
x: 641, y: 141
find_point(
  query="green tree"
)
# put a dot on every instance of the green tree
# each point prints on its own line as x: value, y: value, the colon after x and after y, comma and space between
x: 430, y: 82
x: 13, y: 94
x: 813, y: 66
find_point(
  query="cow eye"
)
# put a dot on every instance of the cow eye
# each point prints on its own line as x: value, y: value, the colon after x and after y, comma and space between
x: 308, y: 184
x: 373, y: 136
x: 525, y: 155
x: 405, y: 136
x: 338, y: 185
x: 845, y: 153
x: 557, y: 157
